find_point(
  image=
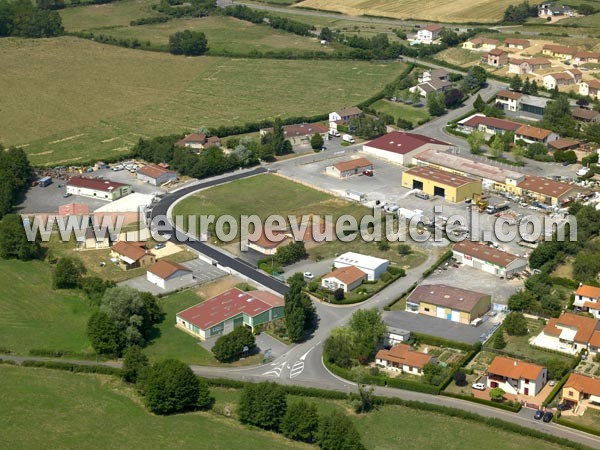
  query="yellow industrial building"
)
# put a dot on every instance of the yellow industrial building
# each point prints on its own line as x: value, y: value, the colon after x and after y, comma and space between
x: 453, y: 187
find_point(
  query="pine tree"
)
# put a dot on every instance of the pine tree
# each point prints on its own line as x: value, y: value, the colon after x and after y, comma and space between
x: 499, y: 342
x: 526, y: 89
x: 516, y: 83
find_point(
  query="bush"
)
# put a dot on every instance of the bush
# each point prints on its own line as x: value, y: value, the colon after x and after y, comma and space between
x: 263, y: 405
x: 515, y: 324
x: 134, y: 364
x: 70, y: 367
x: 460, y: 378
x: 189, y: 43
x: 68, y: 273
x: 300, y: 422
x: 337, y: 432
x: 104, y: 335
x: 171, y: 387
x: 230, y: 347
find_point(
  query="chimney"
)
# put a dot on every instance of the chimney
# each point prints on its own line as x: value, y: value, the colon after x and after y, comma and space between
x: 515, y: 363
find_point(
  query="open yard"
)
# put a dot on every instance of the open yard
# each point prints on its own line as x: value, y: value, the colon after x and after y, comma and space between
x: 401, y: 111
x: 106, y: 15
x: 458, y: 12
x: 459, y: 56
x: 64, y: 417
x: 68, y: 100
x: 33, y: 316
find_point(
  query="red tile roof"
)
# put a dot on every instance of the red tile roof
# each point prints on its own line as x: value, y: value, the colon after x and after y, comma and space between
x: 583, y: 383
x: 492, y: 122
x: 585, y: 326
x: 353, y: 164
x: 96, y: 184
x: 347, y: 275
x: 130, y: 250
x: 165, y: 269
x: 402, y: 143
x: 193, y: 138
x: 533, y: 132
x: 562, y: 49
x: 481, y: 251
x: 563, y: 143
x: 446, y: 296
x: 509, y: 94
x: 154, y: 171
x: 595, y: 84
x: 404, y: 354
x: 544, y: 186
x: 225, y: 306
x: 433, y: 27
x: 514, y: 368
x: 588, y: 291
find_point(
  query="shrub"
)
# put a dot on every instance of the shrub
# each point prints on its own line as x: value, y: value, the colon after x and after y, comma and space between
x: 337, y: 432
x: 300, y: 421
x: 263, y: 405
x: 68, y: 273
x: 189, y: 43
x: 230, y: 347
x: 134, y: 364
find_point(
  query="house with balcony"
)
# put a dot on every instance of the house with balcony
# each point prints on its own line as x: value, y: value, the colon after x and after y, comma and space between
x: 516, y: 377
x: 587, y: 298
x: 570, y: 333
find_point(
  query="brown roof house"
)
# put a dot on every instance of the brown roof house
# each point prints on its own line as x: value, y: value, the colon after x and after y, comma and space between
x: 488, y: 259
x: 402, y: 358
x: 169, y: 275
x: 300, y: 133
x: 517, y: 44
x: 590, y: 87
x: 345, y: 278
x: 522, y: 66
x: 496, y: 58
x: 531, y: 134
x: 581, y: 389
x: 544, y: 189
x: 429, y: 33
x: 448, y: 302
x: 343, y: 116
x: 566, y: 78
x: 570, y: 333
x: 509, y: 100
x: 345, y: 169
x: 130, y: 255
x: 516, y: 377
x: 399, y: 147
x: 155, y: 175
x: 481, y: 44
x: 584, y: 115
x: 564, y: 144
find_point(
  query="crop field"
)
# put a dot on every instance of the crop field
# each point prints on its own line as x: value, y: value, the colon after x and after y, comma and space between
x: 68, y: 100
x: 33, y: 316
x: 223, y: 34
x: 431, y: 10
x: 94, y: 411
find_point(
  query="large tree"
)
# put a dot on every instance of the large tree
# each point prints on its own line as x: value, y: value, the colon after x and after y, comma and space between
x: 230, y: 347
x: 316, y: 141
x: 515, y: 324
x: 104, y: 335
x: 368, y: 330
x: 171, y: 387
x: 263, y: 405
x: 14, y: 242
x: 558, y: 117
x: 337, y: 432
x: 135, y: 363
x: 436, y: 103
x: 68, y: 273
x: 476, y: 139
x: 299, y: 310
x: 301, y: 421
x: 187, y: 42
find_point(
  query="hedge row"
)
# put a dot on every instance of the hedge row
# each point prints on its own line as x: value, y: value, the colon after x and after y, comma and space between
x: 554, y: 392
x: 379, y: 380
x: 63, y: 353
x: 9, y: 362
x: 445, y: 257
x: 404, y: 294
x: 441, y: 342
x: 76, y: 368
x: 381, y: 94
x: 515, y: 408
x: 578, y: 426
x: 564, y: 282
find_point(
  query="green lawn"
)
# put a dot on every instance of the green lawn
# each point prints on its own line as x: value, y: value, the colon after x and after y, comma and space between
x: 400, y: 110
x: 223, y: 34
x: 88, y: 412
x: 33, y: 316
x: 98, y: 412
x: 131, y: 94
x: 106, y: 15
x: 591, y: 419
x: 459, y: 56
x: 265, y: 195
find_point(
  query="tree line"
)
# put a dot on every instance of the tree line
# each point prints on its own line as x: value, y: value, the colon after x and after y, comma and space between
x: 22, y: 18
x: 264, y: 18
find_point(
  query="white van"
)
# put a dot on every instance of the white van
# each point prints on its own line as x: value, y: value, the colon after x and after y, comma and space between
x: 334, y: 133
x: 348, y: 138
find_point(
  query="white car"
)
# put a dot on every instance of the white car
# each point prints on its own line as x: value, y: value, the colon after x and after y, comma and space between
x: 478, y: 386
x: 583, y: 171
x: 308, y: 275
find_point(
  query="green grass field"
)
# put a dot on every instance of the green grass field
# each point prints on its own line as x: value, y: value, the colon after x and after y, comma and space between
x: 107, y: 15
x: 67, y: 100
x: 265, y: 195
x: 400, y: 110
x: 89, y: 412
x: 33, y: 316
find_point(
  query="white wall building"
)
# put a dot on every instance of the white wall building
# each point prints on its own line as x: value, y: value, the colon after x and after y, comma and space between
x: 169, y: 275
x: 516, y: 377
x: 370, y: 265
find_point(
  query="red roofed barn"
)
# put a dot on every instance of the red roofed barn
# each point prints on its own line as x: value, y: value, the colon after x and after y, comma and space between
x: 400, y: 147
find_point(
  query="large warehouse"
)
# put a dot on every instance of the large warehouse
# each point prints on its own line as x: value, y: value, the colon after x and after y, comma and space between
x: 453, y: 187
x: 399, y: 147
x: 488, y: 259
x: 447, y: 302
x: 97, y: 188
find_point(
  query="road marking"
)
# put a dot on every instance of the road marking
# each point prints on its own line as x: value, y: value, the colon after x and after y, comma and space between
x: 276, y: 372
x: 297, y: 369
x: 303, y: 357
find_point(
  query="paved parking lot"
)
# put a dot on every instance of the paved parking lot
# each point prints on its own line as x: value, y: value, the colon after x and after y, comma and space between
x: 433, y: 326
x: 203, y: 273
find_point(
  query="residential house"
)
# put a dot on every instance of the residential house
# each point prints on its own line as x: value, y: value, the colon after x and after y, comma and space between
x: 373, y: 267
x: 231, y: 309
x: 587, y: 57
x: 566, y: 78
x: 97, y: 188
x: 564, y: 144
x: 402, y: 358
x: 585, y: 116
x: 400, y: 147
x: 169, y: 275
x: 194, y: 141
x: 570, y: 333
x: 268, y: 245
x: 524, y: 66
x: 429, y: 33
x: 481, y: 44
x: 431, y: 86
x: 559, y: 51
x: 155, y: 175
x: 345, y: 169
x: 343, y: 116
x: 488, y: 125
x: 590, y: 87
x: 496, y: 58
x: 345, y: 278
x: 516, y: 44
x: 435, y: 182
x: 130, y: 255
x: 547, y: 10
x: 531, y: 134
x: 395, y: 336
x: 509, y: 100
x: 488, y: 259
x: 434, y: 74
x: 447, y: 302
x: 581, y: 389
x: 587, y: 298
x: 516, y: 377
x: 299, y: 134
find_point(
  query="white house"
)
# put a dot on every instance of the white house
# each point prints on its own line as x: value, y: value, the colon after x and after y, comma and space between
x: 97, y: 188
x: 155, y: 175
x: 566, y: 78
x: 402, y: 358
x: 570, y: 333
x: 343, y: 116
x: 516, y: 377
x: 431, y: 86
x: 169, y: 275
x: 429, y: 33
x: 370, y: 265
x: 345, y: 278
x: 395, y: 336
x: 590, y: 87
x: 588, y: 299
x: 488, y: 259
x: 509, y: 100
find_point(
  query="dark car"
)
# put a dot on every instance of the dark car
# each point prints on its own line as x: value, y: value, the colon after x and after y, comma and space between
x: 547, y: 417
x: 538, y: 414
x: 563, y: 406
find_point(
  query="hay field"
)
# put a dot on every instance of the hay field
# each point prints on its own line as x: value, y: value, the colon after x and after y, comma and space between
x: 431, y: 10
x: 67, y: 100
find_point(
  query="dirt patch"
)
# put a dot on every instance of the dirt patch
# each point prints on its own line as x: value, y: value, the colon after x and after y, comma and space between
x: 214, y: 288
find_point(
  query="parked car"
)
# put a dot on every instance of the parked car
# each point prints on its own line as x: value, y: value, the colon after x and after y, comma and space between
x: 563, y: 406
x: 160, y: 245
x: 538, y: 414
x: 552, y: 383
x: 422, y: 195
x: 67, y: 195
x: 308, y: 275
x: 367, y: 173
x: 478, y: 386
x: 547, y: 416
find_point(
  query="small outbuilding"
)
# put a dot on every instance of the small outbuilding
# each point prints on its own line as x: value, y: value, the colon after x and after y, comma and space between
x: 169, y: 275
x: 345, y: 169
x: 155, y: 175
x: 370, y: 265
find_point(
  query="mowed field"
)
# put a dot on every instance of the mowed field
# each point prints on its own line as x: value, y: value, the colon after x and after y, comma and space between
x: 98, y: 412
x: 67, y: 100
x: 431, y: 10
